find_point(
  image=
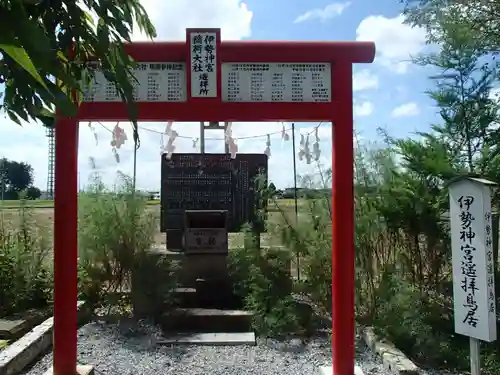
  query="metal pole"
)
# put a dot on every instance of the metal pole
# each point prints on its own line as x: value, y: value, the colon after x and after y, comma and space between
x: 2, y: 175
x: 295, y: 199
x: 475, y: 357
x: 135, y: 166
x: 202, y: 137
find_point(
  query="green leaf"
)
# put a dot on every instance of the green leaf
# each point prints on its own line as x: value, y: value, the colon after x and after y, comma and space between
x: 13, y: 117
x: 19, y: 55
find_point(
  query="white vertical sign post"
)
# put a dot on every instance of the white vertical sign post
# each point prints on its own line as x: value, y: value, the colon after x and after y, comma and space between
x: 472, y: 258
x: 203, y: 49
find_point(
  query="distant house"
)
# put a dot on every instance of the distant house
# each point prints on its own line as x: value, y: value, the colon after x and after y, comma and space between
x: 152, y: 195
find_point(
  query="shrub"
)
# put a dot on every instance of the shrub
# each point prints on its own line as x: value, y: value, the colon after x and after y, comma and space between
x: 262, y: 279
x: 115, y: 230
x: 308, y: 239
x: 25, y: 263
x: 410, y: 318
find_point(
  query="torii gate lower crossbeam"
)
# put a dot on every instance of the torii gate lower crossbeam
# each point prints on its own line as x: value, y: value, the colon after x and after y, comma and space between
x: 204, y: 79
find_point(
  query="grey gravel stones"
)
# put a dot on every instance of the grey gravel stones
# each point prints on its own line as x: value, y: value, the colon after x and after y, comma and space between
x: 130, y: 349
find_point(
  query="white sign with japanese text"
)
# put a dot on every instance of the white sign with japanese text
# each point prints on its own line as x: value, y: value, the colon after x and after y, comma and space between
x: 276, y: 82
x: 203, y: 49
x: 472, y: 258
x: 154, y: 82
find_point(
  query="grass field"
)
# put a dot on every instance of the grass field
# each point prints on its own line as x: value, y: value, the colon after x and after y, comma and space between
x: 8, y: 204
x: 43, y: 215
x: 44, y: 203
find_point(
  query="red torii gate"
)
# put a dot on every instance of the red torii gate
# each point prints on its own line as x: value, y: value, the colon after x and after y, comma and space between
x: 204, y: 79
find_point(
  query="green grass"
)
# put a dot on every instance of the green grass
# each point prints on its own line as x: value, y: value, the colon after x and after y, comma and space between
x: 45, y: 204
x: 10, y: 204
x: 29, y: 203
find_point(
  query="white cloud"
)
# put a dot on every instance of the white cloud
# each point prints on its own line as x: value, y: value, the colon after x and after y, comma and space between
x: 364, y: 109
x: 405, y: 110
x: 364, y: 80
x: 323, y: 14
x: 402, y: 90
x: 396, y: 42
x: 172, y: 17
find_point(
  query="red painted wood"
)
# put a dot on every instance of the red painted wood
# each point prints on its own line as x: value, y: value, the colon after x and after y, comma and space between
x: 340, y: 54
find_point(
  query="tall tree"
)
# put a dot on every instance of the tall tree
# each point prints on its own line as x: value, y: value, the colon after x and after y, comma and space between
x: 44, y: 47
x: 468, y: 37
x: 463, y: 93
x: 14, y: 177
x: 480, y: 17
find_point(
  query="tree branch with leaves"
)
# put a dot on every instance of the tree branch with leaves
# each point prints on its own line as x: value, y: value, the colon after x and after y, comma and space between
x: 45, y: 46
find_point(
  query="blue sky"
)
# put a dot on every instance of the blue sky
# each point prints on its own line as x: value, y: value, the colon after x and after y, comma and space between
x: 389, y: 93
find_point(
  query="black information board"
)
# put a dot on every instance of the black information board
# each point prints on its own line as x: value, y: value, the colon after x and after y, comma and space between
x: 211, y: 182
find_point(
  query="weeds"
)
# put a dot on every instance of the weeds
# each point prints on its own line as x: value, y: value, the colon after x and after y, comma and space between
x: 115, y: 230
x: 25, y: 264
x: 262, y: 279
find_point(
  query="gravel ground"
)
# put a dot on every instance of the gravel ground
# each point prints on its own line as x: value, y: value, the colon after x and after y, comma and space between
x: 126, y: 349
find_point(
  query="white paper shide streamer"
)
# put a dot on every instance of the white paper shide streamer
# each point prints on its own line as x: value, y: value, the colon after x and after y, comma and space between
x: 267, y: 151
x: 230, y: 141
x: 302, y: 144
x: 169, y: 149
x: 316, y: 150
x: 118, y: 138
x: 305, y: 150
x: 94, y: 132
x: 284, y: 135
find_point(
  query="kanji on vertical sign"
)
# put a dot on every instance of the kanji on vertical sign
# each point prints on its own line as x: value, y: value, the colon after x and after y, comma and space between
x: 472, y: 258
x: 203, y: 51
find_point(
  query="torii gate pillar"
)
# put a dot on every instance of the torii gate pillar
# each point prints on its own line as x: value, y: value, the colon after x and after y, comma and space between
x: 204, y: 79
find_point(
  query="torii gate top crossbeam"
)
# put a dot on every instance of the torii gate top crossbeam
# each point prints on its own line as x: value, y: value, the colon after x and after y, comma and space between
x: 262, y: 51
x: 275, y: 56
